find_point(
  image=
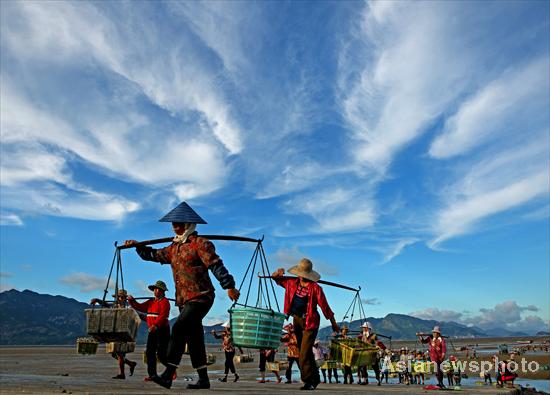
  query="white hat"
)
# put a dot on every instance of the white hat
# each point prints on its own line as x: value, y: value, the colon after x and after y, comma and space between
x: 226, y: 324
x: 366, y: 324
x: 436, y: 329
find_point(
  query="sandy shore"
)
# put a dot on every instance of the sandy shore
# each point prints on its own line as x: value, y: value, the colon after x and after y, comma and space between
x: 43, y: 370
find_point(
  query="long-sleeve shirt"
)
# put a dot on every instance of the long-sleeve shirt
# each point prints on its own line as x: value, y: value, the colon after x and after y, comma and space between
x: 372, y: 339
x: 293, y: 351
x: 157, y: 311
x: 438, y: 348
x: 227, y: 343
x: 316, y: 297
x: 190, y: 262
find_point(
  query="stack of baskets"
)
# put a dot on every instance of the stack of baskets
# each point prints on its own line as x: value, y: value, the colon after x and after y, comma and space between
x: 257, y: 328
x: 112, y: 324
x: 86, y: 345
x: 353, y: 352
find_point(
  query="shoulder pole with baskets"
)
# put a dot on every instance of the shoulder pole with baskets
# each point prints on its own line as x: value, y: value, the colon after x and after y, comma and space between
x: 257, y: 326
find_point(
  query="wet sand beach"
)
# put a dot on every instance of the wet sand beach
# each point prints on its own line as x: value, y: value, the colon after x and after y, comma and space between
x: 46, y: 370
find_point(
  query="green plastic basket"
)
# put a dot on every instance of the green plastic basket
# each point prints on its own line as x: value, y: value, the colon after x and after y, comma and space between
x: 252, y: 327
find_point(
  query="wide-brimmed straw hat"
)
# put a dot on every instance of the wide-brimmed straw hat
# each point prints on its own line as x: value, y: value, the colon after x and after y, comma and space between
x: 436, y: 329
x: 304, y: 269
x: 160, y: 285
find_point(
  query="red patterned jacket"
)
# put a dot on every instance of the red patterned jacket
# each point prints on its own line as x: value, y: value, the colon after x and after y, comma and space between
x: 190, y: 262
x: 316, y: 297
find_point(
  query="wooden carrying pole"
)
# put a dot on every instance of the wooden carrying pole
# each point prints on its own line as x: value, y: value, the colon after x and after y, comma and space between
x: 429, y: 334
x: 170, y: 239
x: 320, y: 282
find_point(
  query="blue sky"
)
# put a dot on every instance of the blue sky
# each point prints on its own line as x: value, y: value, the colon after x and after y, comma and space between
x: 403, y: 147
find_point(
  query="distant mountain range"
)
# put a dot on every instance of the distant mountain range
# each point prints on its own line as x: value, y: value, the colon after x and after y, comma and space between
x: 29, y: 318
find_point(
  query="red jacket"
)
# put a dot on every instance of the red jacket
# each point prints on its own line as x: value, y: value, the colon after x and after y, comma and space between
x: 157, y: 311
x: 316, y: 297
x: 438, y: 348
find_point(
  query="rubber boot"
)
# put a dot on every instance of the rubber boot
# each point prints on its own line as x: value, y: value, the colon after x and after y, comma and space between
x: 202, y: 383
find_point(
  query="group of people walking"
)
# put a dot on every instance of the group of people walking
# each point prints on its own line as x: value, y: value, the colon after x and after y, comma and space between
x: 191, y: 257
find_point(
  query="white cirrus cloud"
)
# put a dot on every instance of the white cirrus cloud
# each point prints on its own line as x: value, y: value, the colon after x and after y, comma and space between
x: 84, y: 281
x: 389, y: 102
x: 511, y: 179
x: 510, y: 104
x: 10, y: 219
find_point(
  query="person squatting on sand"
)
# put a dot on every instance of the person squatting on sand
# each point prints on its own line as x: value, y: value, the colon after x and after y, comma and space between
x: 121, y: 299
x: 157, y: 311
x: 229, y: 349
x: 438, y: 348
x: 293, y: 352
x: 369, y: 337
x: 190, y: 257
x: 302, y: 295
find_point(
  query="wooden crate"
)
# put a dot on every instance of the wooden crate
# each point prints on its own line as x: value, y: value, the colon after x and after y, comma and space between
x: 243, y: 358
x: 120, y: 347
x: 86, y: 346
x: 276, y: 366
x: 112, y: 324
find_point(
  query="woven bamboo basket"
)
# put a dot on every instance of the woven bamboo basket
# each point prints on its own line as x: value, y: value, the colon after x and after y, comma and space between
x: 86, y: 345
x: 352, y: 352
x: 112, y: 324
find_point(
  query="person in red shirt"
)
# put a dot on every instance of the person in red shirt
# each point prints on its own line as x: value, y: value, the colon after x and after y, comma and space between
x: 302, y: 296
x: 157, y: 310
x: 438, y: 348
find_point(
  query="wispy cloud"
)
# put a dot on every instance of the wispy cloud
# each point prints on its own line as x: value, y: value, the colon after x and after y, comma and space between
x: 10, y: 220
x: 516, y: 101
x: 288, y: 257
x: 84, y: 281
x: 371, y: 301
x: 508, y: 180
x: 389, y: 102
x: 398, y: 249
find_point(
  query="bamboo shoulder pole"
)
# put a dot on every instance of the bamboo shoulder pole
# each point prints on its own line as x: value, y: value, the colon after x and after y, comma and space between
x: 169, y: 239
x: 320, y: 282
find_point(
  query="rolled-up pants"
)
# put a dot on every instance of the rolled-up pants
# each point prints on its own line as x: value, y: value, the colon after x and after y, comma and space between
x: 306, y: 338
x: 188, y: 330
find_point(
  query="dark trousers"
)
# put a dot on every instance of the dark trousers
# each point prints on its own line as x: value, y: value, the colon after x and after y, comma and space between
x: 376, y: 367
x: 333, y: 372
x: 229, y: 364
x: 188, y: 330
x: 439, y: 372
x: 348, y: 375
x: 288, y: 372
x: 306, y: 338
x: 157, y: 346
